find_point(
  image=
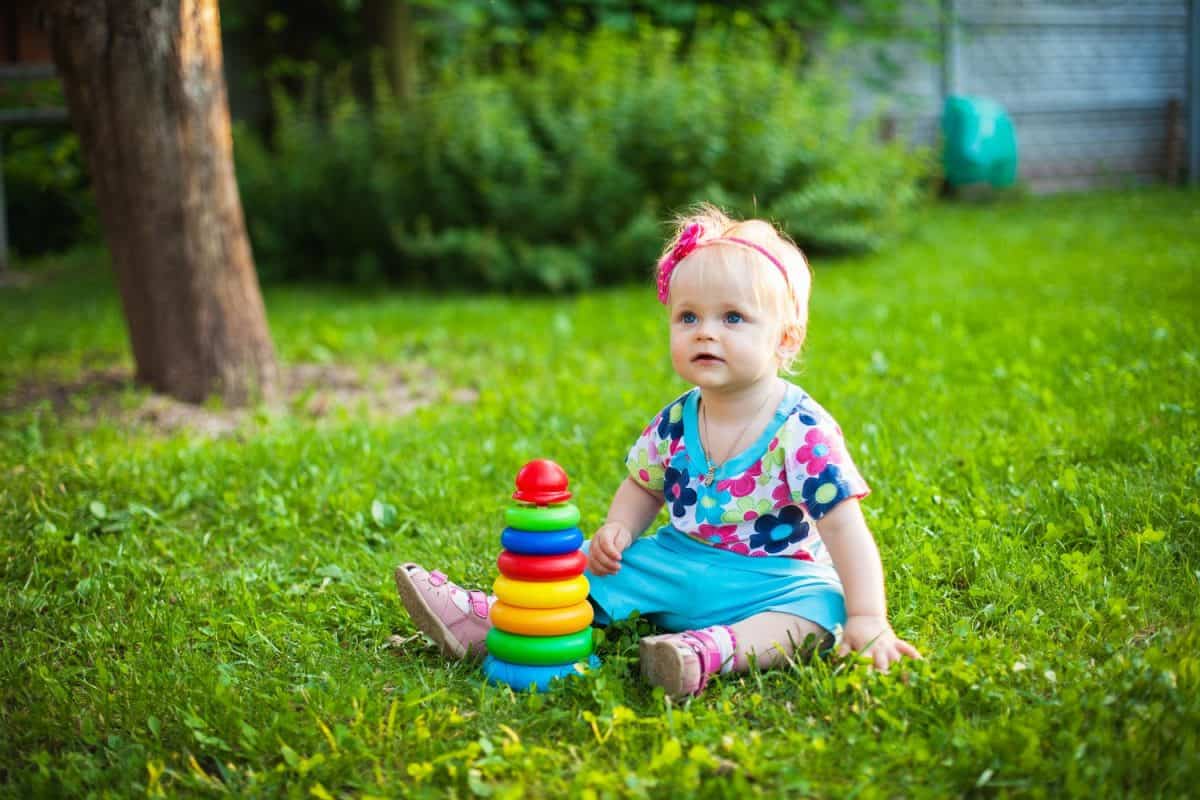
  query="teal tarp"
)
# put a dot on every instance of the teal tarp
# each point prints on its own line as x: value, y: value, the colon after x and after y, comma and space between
x: 980, y: 143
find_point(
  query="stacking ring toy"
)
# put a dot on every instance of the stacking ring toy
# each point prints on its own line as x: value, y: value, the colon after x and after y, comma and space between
x: 542, y: 568
x: 541, y: 594
x: 541, y: 621
x: 542, y: 518
x: 539, y: 650
x: 541, y: 543
x: 523, y: 676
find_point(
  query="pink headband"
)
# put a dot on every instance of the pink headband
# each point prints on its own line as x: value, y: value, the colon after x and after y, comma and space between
x: 689, y: 241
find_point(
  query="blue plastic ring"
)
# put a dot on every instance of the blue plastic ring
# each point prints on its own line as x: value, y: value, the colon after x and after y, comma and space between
x: 523, y: 676
x: 541, y: 543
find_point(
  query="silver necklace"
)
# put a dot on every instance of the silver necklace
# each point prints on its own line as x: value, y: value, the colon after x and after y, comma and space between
x: 710, y: 476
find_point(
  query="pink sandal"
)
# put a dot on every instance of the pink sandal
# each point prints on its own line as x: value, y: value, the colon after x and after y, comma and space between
x: 680, y: 662
x: 455, y: 618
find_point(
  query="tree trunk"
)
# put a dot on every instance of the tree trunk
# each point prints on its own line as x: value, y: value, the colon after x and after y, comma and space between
x: 144, y: 84
x: 390, y: 26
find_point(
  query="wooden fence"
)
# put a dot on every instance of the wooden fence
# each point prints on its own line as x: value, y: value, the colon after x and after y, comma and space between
x: 1098, y: 89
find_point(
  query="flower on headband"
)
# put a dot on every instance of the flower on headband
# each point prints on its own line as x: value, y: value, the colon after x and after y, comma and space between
x: 682, y: 249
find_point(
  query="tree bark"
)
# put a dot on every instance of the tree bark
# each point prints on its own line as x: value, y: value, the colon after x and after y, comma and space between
x: 144, y: 85
x: 390, y: 23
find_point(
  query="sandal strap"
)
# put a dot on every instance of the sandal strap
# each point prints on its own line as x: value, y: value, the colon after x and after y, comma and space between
x: 706, y: 649
x: 479, y: 602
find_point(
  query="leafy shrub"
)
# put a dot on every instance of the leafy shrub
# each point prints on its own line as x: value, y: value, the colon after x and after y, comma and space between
x: 47, y: 196
x: 553, y: 170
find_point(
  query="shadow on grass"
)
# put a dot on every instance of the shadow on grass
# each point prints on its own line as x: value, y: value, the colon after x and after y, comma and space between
x: 310, y: 392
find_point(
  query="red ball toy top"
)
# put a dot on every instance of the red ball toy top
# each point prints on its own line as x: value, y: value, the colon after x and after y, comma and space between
x: 542, y: 482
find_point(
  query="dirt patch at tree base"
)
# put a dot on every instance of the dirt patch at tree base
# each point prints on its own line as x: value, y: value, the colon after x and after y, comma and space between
x: 309, y: 391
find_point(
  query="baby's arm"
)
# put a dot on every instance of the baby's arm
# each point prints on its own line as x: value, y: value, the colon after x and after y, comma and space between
x: 856, y: 558
x: 633, y: 509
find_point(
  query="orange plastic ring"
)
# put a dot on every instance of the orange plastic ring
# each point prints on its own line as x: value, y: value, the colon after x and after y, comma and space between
x: 541, y: 621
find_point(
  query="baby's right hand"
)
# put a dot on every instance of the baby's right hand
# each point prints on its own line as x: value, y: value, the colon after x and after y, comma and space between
x: 604, y: 554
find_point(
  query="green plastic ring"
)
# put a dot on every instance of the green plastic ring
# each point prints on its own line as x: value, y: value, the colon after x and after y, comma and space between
x: 542, y: 518
x: 539, y: 650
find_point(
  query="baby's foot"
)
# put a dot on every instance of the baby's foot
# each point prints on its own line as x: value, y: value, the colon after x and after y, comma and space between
x: 682, y: 662
x: 455, y: 618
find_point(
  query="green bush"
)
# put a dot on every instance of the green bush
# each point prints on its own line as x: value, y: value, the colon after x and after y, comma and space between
x: 554, y: 169
x: 47, y: 195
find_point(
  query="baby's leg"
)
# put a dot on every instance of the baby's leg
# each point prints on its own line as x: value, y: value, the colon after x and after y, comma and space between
x: 682, y: 662
x: 772, y: 636
x: 455, y: 618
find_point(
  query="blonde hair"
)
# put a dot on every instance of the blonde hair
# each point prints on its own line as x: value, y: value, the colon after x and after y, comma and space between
x: 783, y: 293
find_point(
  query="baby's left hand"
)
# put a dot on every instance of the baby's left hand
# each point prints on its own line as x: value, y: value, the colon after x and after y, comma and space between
x: 875, y: 635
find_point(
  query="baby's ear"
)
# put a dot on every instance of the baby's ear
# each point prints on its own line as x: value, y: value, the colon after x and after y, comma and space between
x: 791, y: 340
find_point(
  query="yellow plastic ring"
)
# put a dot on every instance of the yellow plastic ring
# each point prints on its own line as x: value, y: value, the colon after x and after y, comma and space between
x: 541, y: 594
x: 542, y: 621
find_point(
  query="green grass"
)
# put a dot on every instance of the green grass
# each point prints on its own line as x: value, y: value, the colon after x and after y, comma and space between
x: 1018, y: 382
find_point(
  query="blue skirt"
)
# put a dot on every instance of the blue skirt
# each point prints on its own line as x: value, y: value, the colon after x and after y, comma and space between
x: 680, y: 584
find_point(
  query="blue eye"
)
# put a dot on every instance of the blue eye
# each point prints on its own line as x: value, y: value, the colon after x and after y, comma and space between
x: 687, y: 317
x: 733, y: 317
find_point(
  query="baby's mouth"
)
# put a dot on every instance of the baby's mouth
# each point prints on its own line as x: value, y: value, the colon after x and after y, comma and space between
x: 707, y: 358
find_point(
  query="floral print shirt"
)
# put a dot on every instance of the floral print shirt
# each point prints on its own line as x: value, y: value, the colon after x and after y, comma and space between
x: 764, y: 501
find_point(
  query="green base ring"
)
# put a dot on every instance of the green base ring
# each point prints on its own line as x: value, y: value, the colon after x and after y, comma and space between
x: 539, y: 650
x: 542, y: 518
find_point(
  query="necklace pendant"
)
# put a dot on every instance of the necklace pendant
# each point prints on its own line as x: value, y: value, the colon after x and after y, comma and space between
x: 708, y: 479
